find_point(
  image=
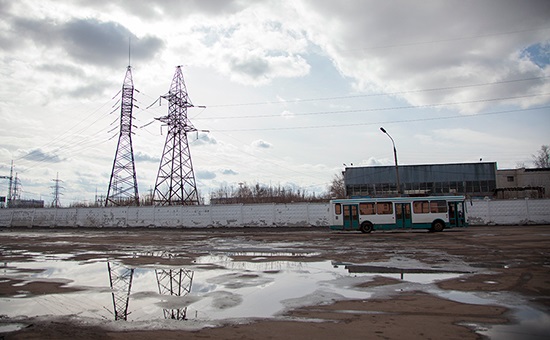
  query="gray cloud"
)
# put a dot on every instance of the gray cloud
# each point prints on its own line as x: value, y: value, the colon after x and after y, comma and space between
x: 89, y: 40
x: 42, y: 156
x: 205, y: 139
x: 229, y: 172
x: 57, y: 69
x: 204, y: 174
x: 253, y: 67
x: 146, y: 9
x: 143, y: 157
x: 262, y: 144
x: 106, y: 42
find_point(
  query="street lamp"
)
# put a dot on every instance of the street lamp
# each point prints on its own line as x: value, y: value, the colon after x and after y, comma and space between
x: 395, y: 158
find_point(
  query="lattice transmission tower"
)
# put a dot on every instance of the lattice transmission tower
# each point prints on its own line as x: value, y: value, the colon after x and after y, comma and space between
x: 56, y: 203
x: 175, y: 183
x: 123, y: 188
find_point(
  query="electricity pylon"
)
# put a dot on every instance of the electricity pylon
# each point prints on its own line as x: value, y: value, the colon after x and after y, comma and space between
x: 174, y: 282
x: 175, y: 184
x: 123, y: 188
x: 56, y: 192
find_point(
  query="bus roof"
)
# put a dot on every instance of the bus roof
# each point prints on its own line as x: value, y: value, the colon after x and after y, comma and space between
x: 399, y: 199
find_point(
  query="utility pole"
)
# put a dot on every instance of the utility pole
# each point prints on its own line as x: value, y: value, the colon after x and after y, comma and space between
x: 123, y: 188
x: 10, y: 178
x: 175, y: 183
x: 56, y: 192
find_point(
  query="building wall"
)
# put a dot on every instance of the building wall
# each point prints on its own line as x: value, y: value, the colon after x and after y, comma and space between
x: 523, y: 183
x: 479, y: 212
x: 472, y: 179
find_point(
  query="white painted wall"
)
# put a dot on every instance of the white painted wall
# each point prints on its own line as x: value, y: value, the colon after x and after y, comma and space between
x: 480, y: 212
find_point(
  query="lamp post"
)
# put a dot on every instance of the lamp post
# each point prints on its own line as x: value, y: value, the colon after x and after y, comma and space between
x: 395, y: 158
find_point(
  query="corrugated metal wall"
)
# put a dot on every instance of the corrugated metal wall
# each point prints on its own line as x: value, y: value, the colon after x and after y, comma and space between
x: 422, y: 173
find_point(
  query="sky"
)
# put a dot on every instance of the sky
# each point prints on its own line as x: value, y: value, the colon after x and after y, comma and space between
x: 294, y: 90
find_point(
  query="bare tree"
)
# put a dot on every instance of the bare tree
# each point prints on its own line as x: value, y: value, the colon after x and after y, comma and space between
x: 542, y: 158
x: 337, y: 188
x: 261, y: 193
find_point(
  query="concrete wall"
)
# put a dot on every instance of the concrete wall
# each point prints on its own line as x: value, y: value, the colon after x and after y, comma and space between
x: 480, y: 212
x: 235, y: 215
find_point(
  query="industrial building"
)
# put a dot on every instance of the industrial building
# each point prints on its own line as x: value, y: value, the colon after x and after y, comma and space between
x: 523, y: 183
x: 470, y: 179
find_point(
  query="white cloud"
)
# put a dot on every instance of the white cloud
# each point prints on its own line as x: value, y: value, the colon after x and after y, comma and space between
x: 262, y: 144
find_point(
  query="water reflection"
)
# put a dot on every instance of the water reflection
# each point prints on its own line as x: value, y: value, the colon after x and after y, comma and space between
x: 174, y: 282
x: 120, y: 279
x: 171, y: 282
x: 212, y: 287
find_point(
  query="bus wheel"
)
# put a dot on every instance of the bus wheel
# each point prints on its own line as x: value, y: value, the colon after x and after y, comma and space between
x: 366, y: 227
x: 438, y: 226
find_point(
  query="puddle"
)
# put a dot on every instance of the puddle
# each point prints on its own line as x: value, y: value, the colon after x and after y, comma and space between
x: 220, y: 287
x: 528, y: 323
x: 11, y: 327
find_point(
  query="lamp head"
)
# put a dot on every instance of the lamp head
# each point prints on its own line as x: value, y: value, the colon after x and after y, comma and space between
x: 383, y: 130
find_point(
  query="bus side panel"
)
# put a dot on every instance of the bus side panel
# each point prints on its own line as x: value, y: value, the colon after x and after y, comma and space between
x: 424, y: 221
x: 336, y: 221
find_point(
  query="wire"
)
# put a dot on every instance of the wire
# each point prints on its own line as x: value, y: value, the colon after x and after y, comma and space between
x: 387, y: 122
x: 384, y: 108
x: 381, y: 93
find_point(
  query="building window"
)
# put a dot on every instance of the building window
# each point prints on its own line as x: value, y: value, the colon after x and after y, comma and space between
x: 510, y: 178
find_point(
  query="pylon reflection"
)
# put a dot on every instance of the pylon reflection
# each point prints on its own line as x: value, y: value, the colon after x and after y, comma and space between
x: 174, y: 282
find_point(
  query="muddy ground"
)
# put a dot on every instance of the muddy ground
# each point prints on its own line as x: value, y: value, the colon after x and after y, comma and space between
x: 513, y: 260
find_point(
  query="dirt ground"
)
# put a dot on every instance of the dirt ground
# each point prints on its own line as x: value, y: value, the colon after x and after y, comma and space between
x: 512, y: 259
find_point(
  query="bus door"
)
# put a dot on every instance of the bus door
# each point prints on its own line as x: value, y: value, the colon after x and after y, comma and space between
x: 351, y: 216
x: 403, y: 215
x: 457, y: 218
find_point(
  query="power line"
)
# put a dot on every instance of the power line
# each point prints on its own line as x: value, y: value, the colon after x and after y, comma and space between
x: 389, y: 122
x: 381, y: 93
x: 384, y: 108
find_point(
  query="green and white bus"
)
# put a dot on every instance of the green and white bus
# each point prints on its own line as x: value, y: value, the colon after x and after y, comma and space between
x: 434, y: 213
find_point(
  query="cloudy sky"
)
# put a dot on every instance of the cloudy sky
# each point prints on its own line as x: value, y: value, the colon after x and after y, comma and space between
x: 292, y: 89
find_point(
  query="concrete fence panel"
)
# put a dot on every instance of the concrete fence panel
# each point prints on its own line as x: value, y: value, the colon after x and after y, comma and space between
x: 479, y: 212
x: 259, y: 215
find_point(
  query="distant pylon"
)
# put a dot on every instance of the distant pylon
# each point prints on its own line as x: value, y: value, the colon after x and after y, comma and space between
x: 175, y: 184
x: 56, y: 192
x: 123, y: 188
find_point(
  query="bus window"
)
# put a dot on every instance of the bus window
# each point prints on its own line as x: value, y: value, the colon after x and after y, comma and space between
x: 421, y: 207
x: 384, y: 208
x: 346, y: 211
x: 367, y: 209
x: 337, y: 209
x: 438, y: 207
